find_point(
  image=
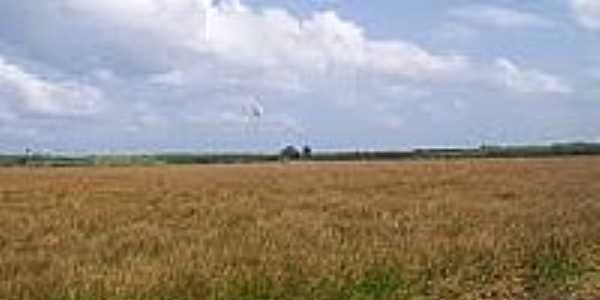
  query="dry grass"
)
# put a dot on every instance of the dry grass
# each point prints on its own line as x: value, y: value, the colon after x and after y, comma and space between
x: 518, y: 229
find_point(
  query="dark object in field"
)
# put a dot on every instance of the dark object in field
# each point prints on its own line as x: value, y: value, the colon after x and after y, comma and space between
x: 306, y: 152
x: 290, y: 153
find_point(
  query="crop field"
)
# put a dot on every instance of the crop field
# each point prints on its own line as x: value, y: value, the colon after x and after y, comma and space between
x: 468, y: 229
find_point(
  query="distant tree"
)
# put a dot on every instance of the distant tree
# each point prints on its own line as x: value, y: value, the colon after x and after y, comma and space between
x: 307, y: 151
x: 28, y: 156
x: 290, y: 153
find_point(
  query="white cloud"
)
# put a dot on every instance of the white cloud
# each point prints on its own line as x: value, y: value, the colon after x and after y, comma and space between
x: 178, y: 72
x: 169, y: 34
x: 277, y: 39
x: 46, y: 97
x: 174, y: 78
x: 169, y: 21
x: 500, y: 17
x: 587, y: 13
x: 407, y: 59
x: 529, y: 81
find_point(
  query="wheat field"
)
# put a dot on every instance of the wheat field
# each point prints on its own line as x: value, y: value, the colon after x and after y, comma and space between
x: 471, y: 229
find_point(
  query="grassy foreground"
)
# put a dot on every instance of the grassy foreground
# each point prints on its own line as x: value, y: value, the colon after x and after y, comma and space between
x: 494, y: 229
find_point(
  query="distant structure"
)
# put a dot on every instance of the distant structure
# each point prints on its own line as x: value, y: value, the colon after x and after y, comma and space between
x: 254, y: 112
x: 306, y: 152
x: 290, y: 153
x: 28, y: 156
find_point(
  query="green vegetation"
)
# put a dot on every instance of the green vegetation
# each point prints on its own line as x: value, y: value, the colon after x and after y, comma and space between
x: 187, y: 158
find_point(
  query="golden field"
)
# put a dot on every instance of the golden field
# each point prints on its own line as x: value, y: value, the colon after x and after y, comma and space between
x: 471, y: 229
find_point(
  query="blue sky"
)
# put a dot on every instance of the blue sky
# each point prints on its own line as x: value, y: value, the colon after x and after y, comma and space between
x: 163, y: 75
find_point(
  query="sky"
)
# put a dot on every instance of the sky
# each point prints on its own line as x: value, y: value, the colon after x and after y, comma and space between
x: 191, y: 75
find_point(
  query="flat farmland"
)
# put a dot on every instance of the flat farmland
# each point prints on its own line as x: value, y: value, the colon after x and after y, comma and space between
x: 469, y: 229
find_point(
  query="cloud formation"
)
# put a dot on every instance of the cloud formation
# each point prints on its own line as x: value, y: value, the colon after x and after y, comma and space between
x: 529, y: 81
x: 28, y: 93
x: 500, y: 17
x: 173, y: 73
x: 587, y: 13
